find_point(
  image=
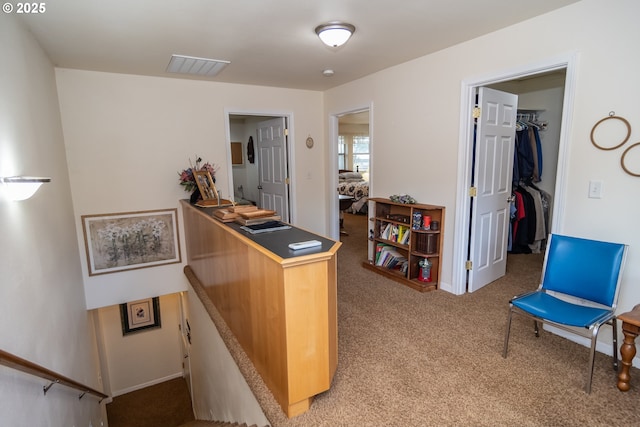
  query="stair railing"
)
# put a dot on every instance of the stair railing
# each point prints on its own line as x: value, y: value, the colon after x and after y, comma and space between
x: 20, y: 364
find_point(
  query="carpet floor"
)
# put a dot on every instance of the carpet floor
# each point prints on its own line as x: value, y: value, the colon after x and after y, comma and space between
x: 435, y: 359
x: 167, y: 404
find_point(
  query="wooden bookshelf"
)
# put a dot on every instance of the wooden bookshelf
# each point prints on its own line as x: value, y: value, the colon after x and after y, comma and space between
x: 396, y: 254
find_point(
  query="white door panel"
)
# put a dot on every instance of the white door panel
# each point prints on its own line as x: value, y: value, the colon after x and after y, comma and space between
x: 495, y: 143
x: 272, y: 168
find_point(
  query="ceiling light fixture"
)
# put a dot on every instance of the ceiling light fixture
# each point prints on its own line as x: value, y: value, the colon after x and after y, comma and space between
x: 335, y: 34
x: 21, y: 187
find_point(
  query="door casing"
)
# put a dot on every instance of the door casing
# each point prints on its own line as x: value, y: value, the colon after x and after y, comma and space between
x: 334, y: 222
x: 568, y: 62
x: 288, y: 115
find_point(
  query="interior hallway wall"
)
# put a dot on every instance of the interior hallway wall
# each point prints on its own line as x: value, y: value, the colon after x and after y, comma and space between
x: 144, y: 358
x: 128, y: 137
x: 42, y: 307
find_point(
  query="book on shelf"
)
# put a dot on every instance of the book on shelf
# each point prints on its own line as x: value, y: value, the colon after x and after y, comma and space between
x: 389, y: 257
x: 395, y: 233
x: 405, y: 234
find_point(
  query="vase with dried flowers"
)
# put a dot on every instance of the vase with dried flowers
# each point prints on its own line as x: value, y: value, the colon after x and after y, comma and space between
x: 188, y: 181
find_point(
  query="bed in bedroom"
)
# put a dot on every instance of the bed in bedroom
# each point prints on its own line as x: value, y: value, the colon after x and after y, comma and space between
x: 354, y: 185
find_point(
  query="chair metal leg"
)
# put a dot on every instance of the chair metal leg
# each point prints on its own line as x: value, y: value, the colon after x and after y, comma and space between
x: 536, y: 328
x: 506, y: 336
x: 592, y: 357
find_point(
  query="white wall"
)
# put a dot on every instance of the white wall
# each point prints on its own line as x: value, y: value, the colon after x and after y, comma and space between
x: 220, y: 392
x: 42, y: 307
x: 127, y: 137
x: 143, y: 358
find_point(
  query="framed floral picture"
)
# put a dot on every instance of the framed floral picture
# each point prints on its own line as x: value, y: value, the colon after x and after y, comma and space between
x: 126, y: 241
x: 140, y: 315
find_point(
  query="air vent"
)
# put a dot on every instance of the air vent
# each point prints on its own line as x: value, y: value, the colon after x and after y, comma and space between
x: 195, y: 66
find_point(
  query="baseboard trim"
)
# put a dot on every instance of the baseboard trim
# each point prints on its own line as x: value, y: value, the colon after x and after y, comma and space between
x: 147, y: 384
x: 602, y: 347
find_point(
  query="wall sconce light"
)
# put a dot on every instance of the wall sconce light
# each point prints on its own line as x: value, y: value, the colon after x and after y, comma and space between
x: 335, y: 34
x: 21, y: 187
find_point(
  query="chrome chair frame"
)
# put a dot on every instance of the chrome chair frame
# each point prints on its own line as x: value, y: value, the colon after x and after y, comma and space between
x: 593, y: 303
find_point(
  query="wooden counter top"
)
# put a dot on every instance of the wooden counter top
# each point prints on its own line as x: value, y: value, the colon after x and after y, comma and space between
x: 277, y: 242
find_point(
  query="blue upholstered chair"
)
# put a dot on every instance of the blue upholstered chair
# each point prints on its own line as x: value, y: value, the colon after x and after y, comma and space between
x: 578, y: 293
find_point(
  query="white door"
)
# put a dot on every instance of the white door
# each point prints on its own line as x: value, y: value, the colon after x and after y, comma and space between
x: 493, y: 171
x: 272, y: 168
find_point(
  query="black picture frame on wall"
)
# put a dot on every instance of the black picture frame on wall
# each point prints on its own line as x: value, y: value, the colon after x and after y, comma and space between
x: 141, y: 315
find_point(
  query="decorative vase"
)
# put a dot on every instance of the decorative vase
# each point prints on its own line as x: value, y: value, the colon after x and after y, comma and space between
x: 195, y: 196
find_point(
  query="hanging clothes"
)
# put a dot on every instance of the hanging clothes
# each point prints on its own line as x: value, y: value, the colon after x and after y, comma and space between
x: 527, y: 165
x: 250, y: 150
x: 534, y: 155
x: 536, y: 134
x: 522, y: 228
x: 530, y: 212
x: 530, y: 206
x: 539, y: 228
x: 524, y: 156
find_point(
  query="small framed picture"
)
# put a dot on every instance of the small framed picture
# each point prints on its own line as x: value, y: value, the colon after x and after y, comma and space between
x: 140, y: 315
x: 206, y: 185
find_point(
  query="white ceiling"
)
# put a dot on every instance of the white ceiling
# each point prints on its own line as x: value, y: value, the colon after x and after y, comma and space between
x: 269, y: 42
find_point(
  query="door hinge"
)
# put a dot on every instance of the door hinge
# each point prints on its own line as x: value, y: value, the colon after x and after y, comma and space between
x: 469, y: 265
x: 286, y: 132
x: 476, y: 112
x: 287, y: 181
x: 473, y: 191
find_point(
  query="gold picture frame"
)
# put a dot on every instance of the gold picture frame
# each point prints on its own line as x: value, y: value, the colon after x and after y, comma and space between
x: 207, y: 187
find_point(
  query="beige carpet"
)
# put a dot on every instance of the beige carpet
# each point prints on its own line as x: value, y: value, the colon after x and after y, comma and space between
x: 435, y: 359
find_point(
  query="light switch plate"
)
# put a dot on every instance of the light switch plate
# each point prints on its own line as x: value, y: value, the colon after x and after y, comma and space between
x: 595, y: 189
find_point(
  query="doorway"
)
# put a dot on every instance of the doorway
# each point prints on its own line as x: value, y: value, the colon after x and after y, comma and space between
x: 350, y: 150
x: 354, y: 168
x: 259, y: 161
x: 565, y: 64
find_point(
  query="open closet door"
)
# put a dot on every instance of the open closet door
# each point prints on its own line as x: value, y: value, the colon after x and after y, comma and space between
x: 493, y: 171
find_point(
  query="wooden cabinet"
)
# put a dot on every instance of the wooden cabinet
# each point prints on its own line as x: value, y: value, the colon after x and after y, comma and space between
x: 281, y: 305
x: 400, y: 242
